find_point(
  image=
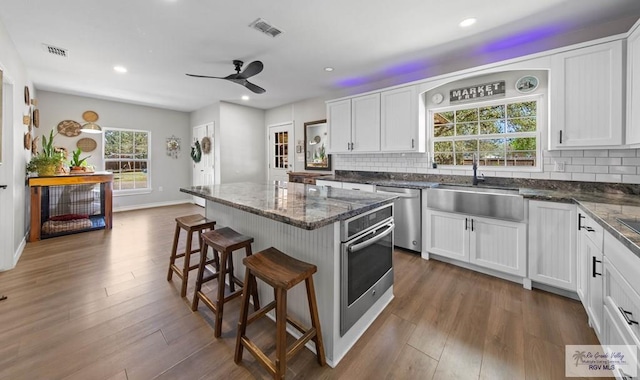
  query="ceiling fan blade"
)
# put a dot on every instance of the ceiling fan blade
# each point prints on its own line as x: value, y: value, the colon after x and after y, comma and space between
x: 255, y: 88
x: 204, y: 76
x: 252, y: 69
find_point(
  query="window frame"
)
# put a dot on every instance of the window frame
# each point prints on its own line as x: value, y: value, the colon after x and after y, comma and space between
x: 541, y: 117
x: 137, y: 191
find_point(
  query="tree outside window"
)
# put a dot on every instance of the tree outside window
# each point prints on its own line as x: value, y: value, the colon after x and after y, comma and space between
x: 500, y: 135
x: 126, y: 154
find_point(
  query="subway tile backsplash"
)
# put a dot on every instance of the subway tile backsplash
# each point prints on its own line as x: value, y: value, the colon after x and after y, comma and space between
x: 597, y: 165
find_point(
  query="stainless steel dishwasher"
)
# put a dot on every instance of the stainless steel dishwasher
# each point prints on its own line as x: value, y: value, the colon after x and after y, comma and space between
x: 407, y: 216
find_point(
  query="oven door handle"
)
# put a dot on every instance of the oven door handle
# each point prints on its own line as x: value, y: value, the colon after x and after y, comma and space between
x: 365, y: 244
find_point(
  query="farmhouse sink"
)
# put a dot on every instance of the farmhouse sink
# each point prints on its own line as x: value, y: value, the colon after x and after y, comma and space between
x: 491, y: 202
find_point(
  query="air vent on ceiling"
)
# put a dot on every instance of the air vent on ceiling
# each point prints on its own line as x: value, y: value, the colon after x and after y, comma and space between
x: 266, y: 28
x: 60, y: 52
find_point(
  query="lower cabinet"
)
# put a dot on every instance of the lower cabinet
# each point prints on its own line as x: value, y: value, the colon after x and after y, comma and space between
x: 486, y: 242
x: 552, y: 244
x: 590, y: 269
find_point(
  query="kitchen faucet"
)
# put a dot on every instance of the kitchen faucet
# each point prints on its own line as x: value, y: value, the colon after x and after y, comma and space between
x: 475, y: 171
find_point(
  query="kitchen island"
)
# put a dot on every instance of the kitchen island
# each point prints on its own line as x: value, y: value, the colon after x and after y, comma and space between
x: 304, y: 221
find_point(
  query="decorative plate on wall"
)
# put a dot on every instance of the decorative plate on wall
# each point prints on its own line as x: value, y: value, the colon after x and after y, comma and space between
x: 86, y: 144
x: 36, y: 118
x: 27, y: 141
x: 27, y: 97
x: 69, y: 128
x: 90, y: 116
x: 527, y: 84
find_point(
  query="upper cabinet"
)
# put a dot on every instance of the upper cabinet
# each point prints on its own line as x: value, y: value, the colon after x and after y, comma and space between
x: 399, y: 128
x: 379, y: 122
x: 633, y: 86
x: 586, y: 97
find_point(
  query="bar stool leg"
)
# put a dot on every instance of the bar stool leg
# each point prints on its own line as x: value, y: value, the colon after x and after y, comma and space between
x: 254, y: 286
x: 315, y: 320
x: 185, y: 267
x: 249, y: 283
x: 281, y: 333
x: 224, y: 257
x: 174, y: 251
x: 203, y: 260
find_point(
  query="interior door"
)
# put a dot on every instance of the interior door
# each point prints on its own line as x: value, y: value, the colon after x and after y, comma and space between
x: 6, y: 222
x: 280, y: 156
x: 203, y: 171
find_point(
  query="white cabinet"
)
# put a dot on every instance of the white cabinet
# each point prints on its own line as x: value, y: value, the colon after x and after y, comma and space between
x: 586, y: 94
x: 590, y: 268
x: 490, y: 243
x: 633, y: 86
x: 339, y: 126
x: 399, y: 128
x: 354, y: 124
x: 552, y: 244
x: 322, y: 182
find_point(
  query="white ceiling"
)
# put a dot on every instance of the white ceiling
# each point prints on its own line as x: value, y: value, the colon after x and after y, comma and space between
x: 366, y: 41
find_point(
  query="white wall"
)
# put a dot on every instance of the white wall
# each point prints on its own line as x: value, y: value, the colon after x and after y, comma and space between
x: 299, y: 112
x: 14, y: 220
x: 239, y: 141
x: 165, y: 171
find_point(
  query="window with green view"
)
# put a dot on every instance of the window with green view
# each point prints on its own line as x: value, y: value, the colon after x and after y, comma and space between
x: 503, y: 134
x: 126, y: 154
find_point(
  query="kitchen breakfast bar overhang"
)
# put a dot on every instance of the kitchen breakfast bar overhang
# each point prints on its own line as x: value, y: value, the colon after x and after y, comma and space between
x: 304, y: 221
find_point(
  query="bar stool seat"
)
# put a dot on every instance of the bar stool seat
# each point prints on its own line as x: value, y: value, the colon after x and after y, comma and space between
x: 282, y: 272
x: 223, y: 241
x: 191, y: 224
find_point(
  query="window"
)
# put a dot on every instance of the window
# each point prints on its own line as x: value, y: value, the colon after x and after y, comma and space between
x: 126, y: 154
x: 500, y: 134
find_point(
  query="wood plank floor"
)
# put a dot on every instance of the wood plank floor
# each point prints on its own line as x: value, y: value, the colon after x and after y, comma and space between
x: 97, y: 305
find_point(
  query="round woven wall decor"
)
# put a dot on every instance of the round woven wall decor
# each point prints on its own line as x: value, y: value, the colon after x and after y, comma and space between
x: 69, y: 128
x: 86, y: 144
x: 90, y: 116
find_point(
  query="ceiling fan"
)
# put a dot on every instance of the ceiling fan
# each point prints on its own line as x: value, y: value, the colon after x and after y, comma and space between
x: 240, y: 78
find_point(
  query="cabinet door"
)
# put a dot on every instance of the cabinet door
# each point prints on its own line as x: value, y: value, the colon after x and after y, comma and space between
x: 633, y: 87
x: 586, y: 87
x: 339, y: 126
x: 499, y: 245
x: 552, y: 244
x: 321, y: 182
x: 595, y: 300
x: 446, y: 234
x: 358, y: 186
x: 582, y: 268
x: 399, y: 130
x: 365, y: 123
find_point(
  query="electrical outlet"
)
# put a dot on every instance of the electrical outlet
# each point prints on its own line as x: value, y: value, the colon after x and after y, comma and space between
x: 160, y: 188
x: 558, y: 167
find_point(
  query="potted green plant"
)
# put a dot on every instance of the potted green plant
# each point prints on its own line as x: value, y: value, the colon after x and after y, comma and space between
x: 77, y: 164
x: 48, y: 161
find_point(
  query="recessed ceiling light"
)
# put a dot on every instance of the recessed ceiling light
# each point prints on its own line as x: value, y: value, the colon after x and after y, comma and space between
x: 328, y: 69
x: 245, y: 97
x: 120, y: 69
x: 467, y: 22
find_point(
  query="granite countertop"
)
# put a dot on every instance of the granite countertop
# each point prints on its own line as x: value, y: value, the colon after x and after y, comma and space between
x: 305, y: 206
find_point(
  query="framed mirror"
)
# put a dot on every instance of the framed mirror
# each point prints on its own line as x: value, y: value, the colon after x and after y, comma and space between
x: 315, y: 141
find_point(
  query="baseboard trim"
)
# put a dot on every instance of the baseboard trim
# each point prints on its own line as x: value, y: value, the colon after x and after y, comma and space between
x: 150, y: 205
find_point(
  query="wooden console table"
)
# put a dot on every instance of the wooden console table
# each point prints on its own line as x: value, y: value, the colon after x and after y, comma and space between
x: 40, y: 185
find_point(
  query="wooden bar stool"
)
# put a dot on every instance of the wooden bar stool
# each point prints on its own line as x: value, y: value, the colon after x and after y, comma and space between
x: 191, y: 224
x: 282, y: 272
x: 225, y: 241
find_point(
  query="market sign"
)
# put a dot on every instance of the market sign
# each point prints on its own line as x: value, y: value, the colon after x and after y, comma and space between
x: 478, y: 91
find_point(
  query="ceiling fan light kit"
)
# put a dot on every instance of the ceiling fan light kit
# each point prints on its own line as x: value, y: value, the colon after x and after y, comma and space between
x: 241, y: 78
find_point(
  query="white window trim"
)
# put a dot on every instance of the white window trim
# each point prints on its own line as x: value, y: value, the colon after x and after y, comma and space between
x: 541, y: 115
x: 127, y: 192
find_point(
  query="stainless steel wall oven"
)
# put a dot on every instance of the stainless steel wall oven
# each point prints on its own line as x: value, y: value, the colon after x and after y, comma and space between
x: 366, y: 265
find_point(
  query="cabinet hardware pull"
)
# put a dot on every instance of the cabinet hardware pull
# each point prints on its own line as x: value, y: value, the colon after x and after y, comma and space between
x: 561, y: 136
x: 589, y: 229
x: 466, y: 226
x: 471, y: 225
x: 3, y: 186
x: 593, y: 267
x: 580, y: 217
x: 626, y: 314
x: 412, y: 144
